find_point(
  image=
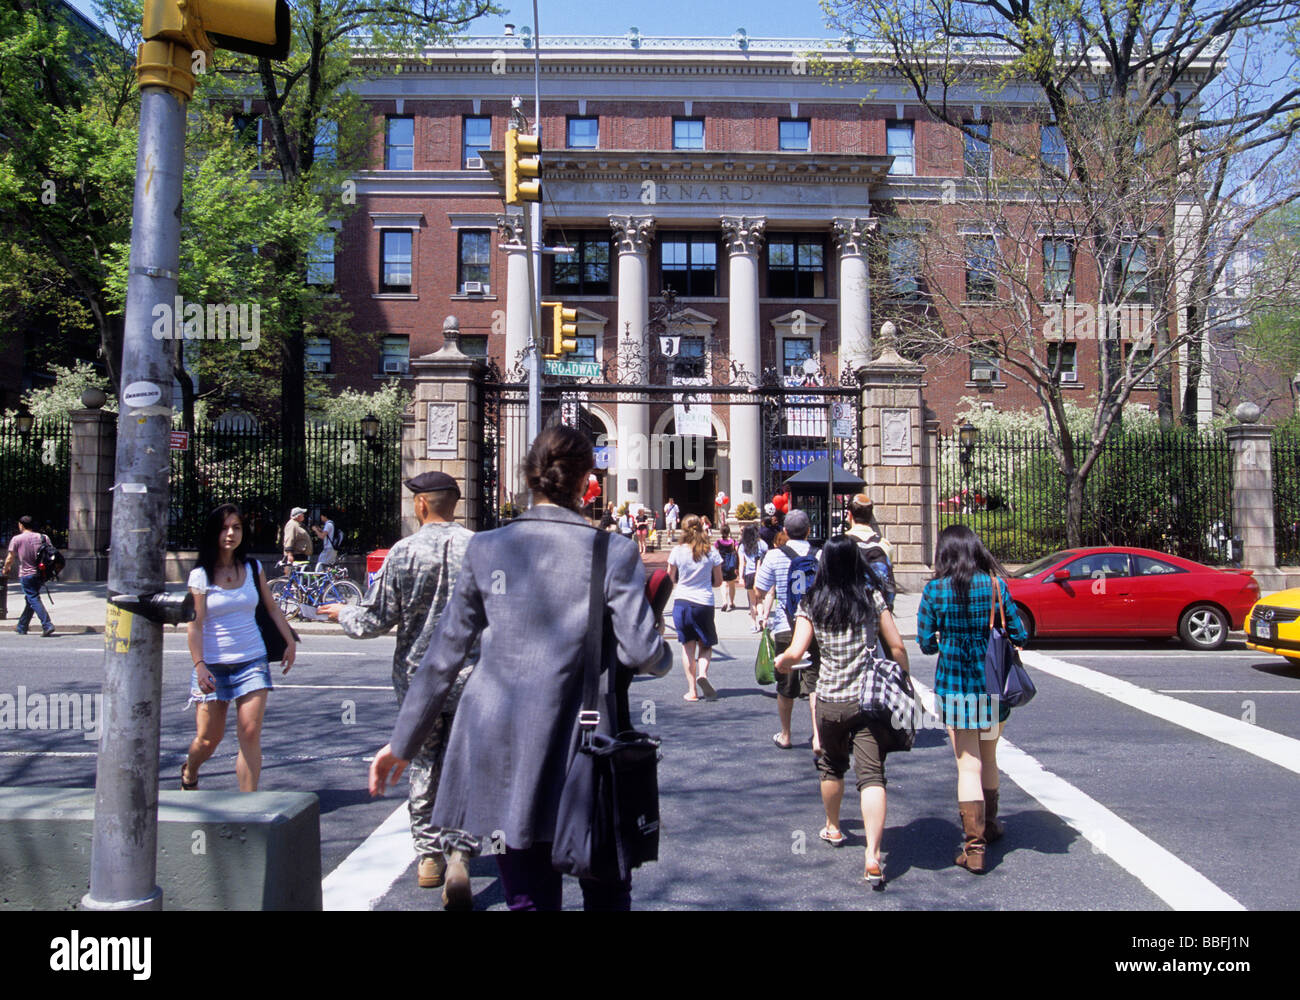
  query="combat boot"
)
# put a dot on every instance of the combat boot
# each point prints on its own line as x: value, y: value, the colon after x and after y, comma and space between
x: 971, y: 855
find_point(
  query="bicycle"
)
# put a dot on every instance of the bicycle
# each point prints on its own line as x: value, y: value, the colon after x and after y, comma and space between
x: 309, y: 588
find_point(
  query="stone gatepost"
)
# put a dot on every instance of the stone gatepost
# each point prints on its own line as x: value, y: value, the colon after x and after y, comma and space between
x: 897, y: 459
x: 446, y: 432
x: 1252, y: 495
x: 90, y: 493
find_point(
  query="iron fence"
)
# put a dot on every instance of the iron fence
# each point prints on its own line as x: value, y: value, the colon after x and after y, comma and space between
x: 35, y: 475
x: 1170, y: 491
x: 354, y: 479
x: 1286, y: 496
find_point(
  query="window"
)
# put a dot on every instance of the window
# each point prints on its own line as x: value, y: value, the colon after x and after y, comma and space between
x: 325, y: 149
x: 1098, y: 565
x: 399, y: 144
x: 977, y: 157
x: 473, y: 273
x: 478, y: 137
x: 899, y: 145
x: 1131, y: 273
x: 690, y: 264
x: 320, y: 261
x: 474, y: 344
x: 795, y: 135
x: 904, y: 266
x: 691, y: 358
x: 586, y: 349
x: 688, y: 133
x: 1138, y: 358
x: 395, y: 256
x: 1058, y: 270
x: 586, y: 271
x: 794, y: 352
x: 981, y: 271
x: 395, y: 356
x: 317, y: 355
x: 1147, y: 566
x: 1063, y: 360
x: 249, y: 128
x: 796, y: 266
x: 984, y: 364
x: 584, y: 133
x: 1052, y: 149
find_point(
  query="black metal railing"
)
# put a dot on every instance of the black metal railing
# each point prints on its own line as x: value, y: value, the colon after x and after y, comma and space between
x: 354, y: 479
x: 1170, y: 491
x: 35, y: 476
x: 1286, y: 496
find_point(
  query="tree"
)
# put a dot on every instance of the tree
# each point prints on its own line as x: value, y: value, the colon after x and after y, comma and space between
x: 1152, y: 142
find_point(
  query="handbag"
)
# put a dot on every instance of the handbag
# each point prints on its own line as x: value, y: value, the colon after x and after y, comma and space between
x: 1005, y: 677
x: 271, y: 637
x: 608, y: 820
x: 888, y: 696
x: 765, y: 663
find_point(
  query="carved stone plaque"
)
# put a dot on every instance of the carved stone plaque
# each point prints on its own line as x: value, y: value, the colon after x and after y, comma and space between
x: 896, y: 437
x: 441, y: 431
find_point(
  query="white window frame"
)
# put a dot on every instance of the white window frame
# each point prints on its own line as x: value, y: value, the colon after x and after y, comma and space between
x: 895, y: 128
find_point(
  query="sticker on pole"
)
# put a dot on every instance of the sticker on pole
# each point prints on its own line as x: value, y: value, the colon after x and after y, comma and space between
x: 117, y: 630
x: 139, y: 394
x: 180, y: 440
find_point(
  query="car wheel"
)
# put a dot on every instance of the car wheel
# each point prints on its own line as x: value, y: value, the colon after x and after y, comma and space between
x: 1026, y: 617
x: 1203, y: 626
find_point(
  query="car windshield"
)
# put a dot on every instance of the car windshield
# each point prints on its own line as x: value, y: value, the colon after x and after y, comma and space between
x: 1038, y: 565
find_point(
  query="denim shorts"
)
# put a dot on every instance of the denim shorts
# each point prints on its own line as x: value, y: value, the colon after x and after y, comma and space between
x: 694, y: 623
x: 233, y: 680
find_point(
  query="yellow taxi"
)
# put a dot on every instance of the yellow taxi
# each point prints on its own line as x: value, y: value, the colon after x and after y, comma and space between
x: 1273, y: 625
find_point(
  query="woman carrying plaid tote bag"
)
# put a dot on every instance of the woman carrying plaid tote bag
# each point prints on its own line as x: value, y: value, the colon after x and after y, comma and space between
x: 846, y: 615
x: 953, y: 621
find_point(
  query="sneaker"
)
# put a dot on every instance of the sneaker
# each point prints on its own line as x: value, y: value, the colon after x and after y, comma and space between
x: 47, y: 632
x: 20, y: 631
x: 457, y: 895
x: 431, y: 871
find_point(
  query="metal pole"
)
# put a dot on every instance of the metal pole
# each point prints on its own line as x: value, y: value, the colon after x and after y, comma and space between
x: 123, y: 859
x: 533, y: 234
x: 830, y: 465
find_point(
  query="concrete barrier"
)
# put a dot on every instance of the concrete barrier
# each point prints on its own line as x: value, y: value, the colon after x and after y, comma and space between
x: 216, y: 850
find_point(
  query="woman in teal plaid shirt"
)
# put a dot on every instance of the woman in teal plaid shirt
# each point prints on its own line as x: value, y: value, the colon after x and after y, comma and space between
x: 953, y: 621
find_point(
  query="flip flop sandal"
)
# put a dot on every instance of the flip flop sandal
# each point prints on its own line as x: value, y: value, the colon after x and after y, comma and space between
x: 874, y: 876
x: 776, y: 738
x: 706, y: 688
x: 187, y: 786
x: 833, y: 841
x: 687, y: 697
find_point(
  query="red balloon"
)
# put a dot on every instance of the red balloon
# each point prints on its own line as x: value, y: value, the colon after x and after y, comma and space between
x: 723, y: 499
x: 781, y: 502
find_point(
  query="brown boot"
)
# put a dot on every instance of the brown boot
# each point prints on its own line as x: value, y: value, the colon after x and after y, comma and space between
x: 971, y: 855
x: 993, y: 830
x: 430, y: 871
x: 457, y: 894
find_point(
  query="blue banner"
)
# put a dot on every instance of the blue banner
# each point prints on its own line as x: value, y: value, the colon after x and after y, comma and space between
x: 798, y: 459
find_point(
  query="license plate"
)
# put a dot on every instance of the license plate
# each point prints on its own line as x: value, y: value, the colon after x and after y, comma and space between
x: 1264, y: 630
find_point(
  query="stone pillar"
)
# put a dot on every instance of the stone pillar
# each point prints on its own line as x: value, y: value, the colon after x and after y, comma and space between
x: 519, y: 325
x: 1252, y: 495
x: 894, y: 462
x: 412, y: 447
x: 633, y: 235
x: 448, y: 422
x: 90, y: 497
x: 743, y: 237
x: 850, y: 236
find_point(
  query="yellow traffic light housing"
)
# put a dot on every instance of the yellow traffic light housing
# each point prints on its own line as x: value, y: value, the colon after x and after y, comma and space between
x: 519, y: 167
x: 175, y: 29
x: 564, y: 330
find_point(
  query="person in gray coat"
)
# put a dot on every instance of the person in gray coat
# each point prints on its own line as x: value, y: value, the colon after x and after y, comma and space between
x: 523, y: 591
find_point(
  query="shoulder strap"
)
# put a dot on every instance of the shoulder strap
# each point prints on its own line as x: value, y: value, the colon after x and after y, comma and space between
x: 996, y: 601
x: 589, y: 718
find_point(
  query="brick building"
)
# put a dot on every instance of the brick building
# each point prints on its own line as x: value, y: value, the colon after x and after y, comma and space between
x: 720, y: 168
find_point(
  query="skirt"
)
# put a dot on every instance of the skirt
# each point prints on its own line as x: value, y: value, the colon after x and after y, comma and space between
x: 694, y: 623
x: 233, y: 680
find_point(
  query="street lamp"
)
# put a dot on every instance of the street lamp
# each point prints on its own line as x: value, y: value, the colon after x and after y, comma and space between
x: 1295, y: 384
x: 370, y: 429
x: 967, y: 435
x: 25, y: 420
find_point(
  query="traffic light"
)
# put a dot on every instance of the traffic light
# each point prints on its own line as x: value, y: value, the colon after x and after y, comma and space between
x: 253, y: 27
x: 564, y: 330
x: 518, y: 190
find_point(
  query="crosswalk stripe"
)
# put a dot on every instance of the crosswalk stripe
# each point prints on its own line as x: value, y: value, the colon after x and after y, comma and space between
x: 1180, y: 885
x: 366, y: 875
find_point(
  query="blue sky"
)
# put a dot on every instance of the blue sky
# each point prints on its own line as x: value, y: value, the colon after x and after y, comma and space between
x: 761, y: 18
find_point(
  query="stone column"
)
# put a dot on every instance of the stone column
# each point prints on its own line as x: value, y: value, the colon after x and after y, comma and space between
x: 1252, y: 495
x: 519, y: 324
x: 850, y: 236
x: 633, y: 235
x: 90, y: 498
x: 448, y: 423
x: 894, y: 461
x: 743, y: 236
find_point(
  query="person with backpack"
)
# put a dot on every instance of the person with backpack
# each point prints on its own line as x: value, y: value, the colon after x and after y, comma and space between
x: 752, y: 548
x: 695, y: 570
x: 875, y: 549
x: 36, y: 558
x: 729, y: 551
x: 331, y: 539
x: 784, y: 576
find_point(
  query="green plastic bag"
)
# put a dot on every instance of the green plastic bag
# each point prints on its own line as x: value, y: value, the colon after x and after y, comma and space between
x: 764, y: 669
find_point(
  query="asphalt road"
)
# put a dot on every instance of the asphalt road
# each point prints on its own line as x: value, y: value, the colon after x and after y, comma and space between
x: 1124, y: 797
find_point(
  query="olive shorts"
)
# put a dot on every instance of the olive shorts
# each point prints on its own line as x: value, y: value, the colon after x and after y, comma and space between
x: 845, y: 729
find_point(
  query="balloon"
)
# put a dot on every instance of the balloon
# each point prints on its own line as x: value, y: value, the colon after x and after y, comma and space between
x: 781, y: 502
x: 722, y: 499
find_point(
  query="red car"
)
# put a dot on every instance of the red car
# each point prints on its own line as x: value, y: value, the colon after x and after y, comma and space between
x: 1117, y: 592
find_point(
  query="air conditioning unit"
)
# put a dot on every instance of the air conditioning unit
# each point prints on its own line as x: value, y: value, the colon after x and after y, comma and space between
x: 472, y: 288
x: 395, y: 366
x: 1069, y: 376
x: 982, y: 375
x: 315, y: 365
x: 474, y: 163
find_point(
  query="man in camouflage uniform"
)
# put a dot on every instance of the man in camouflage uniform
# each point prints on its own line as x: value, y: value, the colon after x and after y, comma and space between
x: 411, y: 592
